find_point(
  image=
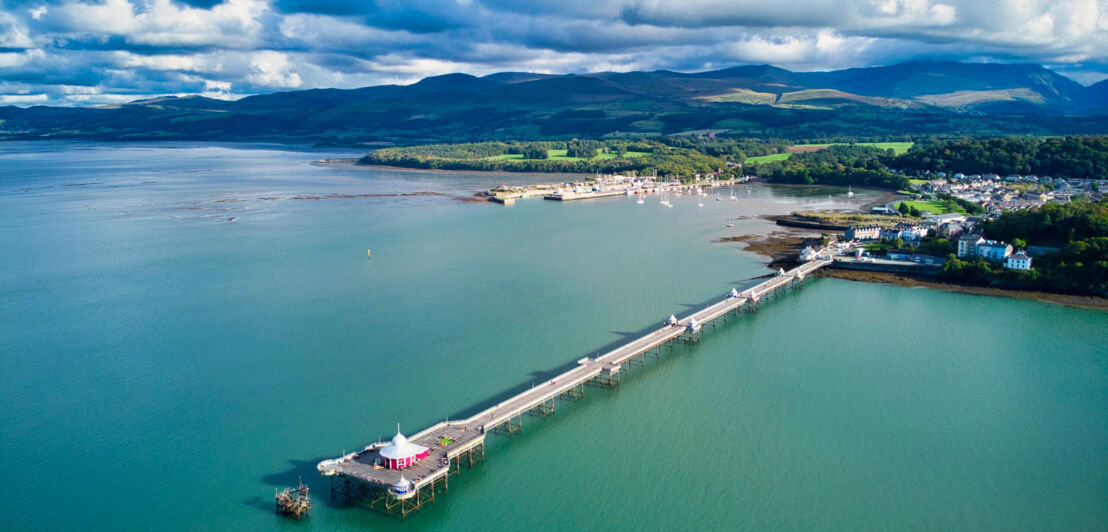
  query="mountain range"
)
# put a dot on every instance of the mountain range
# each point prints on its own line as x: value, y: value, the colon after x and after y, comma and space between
x: 913, y: 98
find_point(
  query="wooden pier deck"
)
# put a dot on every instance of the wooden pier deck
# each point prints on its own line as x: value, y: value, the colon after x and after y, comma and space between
x: 451, y: 442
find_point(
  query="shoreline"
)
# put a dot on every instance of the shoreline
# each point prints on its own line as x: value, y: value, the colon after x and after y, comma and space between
x: 886, y: 197
x: 1069, y: 300
x: 782, y: 248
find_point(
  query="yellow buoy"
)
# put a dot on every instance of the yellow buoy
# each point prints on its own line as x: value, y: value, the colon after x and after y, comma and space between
x: 368, y: 253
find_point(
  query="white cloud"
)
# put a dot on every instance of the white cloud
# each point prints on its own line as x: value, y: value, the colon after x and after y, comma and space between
x: 14, y: 33
x: 188, y: 63
x: 15, y: 59
x: 231, y: 24
x: 272, y: 69
x: 24, y: 99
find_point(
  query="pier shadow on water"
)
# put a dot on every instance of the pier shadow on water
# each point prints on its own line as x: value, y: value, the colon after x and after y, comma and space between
x: 540, y: 376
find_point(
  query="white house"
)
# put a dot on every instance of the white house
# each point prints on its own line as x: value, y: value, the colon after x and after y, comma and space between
x: 1019, y: 261
x: 808, y: 254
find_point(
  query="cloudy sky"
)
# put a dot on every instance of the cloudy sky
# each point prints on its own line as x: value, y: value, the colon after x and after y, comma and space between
x: 88, y: 52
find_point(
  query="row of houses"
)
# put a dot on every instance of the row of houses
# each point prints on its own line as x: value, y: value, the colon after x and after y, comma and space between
x: 951, y: 226
x: 971, y: 246
x: 905, y: 231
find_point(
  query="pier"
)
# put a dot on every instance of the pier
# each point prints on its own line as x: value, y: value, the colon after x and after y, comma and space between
x: 362, y: 476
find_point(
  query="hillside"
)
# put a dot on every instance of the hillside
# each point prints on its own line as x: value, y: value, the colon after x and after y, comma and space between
x: 916, y: 98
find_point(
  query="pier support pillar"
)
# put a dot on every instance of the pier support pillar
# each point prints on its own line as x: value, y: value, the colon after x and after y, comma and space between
x: 545, y: 408
x: 510, y: 426
x: 573, y: 394
x: 609, y: 379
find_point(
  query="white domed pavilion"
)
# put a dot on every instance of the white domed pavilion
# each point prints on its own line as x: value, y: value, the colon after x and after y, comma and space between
x: 401, y: 453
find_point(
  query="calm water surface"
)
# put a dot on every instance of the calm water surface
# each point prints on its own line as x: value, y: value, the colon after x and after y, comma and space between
x: 178, y: 337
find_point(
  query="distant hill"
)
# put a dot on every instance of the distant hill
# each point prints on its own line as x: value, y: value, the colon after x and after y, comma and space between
x: 1096, y: 96
x: 916, y: 99
x: 957, y: 85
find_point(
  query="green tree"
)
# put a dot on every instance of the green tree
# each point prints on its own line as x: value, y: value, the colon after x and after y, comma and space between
x: 903, y: 208
x: 535, y: 152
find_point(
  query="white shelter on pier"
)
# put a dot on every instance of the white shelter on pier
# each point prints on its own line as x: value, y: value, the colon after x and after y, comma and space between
x: 401, y: 453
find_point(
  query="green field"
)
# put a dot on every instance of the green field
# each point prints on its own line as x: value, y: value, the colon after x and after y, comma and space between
x: 560, y: 155
x: 767, y: 158
x: 935, y: 206
x: 897, y: 147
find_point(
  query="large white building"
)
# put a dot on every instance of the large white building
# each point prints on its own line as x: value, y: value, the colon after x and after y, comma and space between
x: 1019, y: 261
x: 967, y: 246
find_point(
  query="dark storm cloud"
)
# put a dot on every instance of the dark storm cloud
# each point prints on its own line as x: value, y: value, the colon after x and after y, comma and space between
x: 89, y: 51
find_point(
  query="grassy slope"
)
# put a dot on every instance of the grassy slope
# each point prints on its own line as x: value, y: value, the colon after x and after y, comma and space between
x: 967, y: 98
x: 768, y: 158
x: 746, y: 96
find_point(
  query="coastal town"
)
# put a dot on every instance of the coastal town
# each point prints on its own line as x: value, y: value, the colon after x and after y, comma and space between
x: 896, y: 248
x: 915, y: 243
x: 602, y: 186
x: 997, y: 194
x: 902, y: 236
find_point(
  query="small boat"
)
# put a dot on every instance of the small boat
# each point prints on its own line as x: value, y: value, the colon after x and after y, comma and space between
x: 640, y: 202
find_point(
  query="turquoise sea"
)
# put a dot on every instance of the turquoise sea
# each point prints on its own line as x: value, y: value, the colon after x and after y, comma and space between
x: 179, y: 336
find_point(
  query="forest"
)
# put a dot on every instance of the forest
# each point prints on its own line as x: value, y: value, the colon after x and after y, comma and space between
x: 676, y: 158
x: 838, y: 164
x: 1069, y: 157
